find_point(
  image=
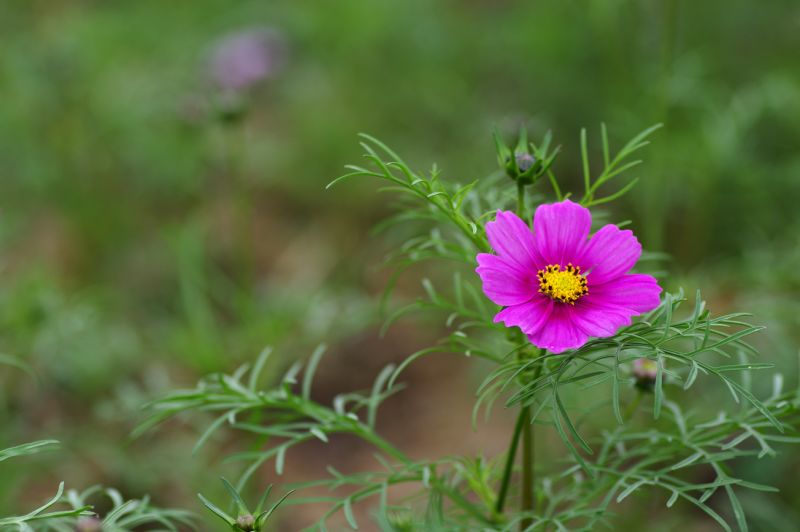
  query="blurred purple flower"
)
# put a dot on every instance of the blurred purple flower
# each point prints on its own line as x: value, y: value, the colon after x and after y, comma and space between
x: 243, y: 58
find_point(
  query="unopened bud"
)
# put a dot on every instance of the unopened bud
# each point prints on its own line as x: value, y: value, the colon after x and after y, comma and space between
x: 246, y: 522
x: 645, y: 371
x: 523, y: 167
x: 525, y: 161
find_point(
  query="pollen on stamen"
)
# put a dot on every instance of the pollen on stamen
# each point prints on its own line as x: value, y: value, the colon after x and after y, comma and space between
x: 566, y: 286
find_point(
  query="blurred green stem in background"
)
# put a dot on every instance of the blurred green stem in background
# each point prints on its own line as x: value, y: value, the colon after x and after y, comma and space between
x: 633, y: 406
x: 234, y: 146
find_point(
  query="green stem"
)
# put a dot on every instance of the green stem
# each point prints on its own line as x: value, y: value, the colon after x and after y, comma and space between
x: 528, y: 446
x: 368, y: 435
x: 509, y: 467
x: 447, y: 209
x: 520, y: 200
x: 528, y: 500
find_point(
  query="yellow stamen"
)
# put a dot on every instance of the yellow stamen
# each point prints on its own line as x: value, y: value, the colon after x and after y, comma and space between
x: 566, y: 286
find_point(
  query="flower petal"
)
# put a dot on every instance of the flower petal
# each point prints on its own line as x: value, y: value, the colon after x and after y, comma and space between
x: 600, y: 313
x: 610, y: 306
x: 511, y: 238
x: 600, y: 321
x: 528, y: 316
x: 610, y: 253
x: 503, y: 282
x: 560, y: 230
x: 560, y: 332
x: 635, y: 292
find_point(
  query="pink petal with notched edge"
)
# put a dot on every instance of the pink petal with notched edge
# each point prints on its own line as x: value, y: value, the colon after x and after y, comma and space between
x: 529, y: 317
x: 503, y: 282
x: 636, y: 292
x: 610, y: 252
x: 560, y: 332
x: 511, y: 238
x: 560, y: 231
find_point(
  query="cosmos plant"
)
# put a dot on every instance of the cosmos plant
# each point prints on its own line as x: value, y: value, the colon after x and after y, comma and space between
x: 572, y: 330
x: 646, y: 391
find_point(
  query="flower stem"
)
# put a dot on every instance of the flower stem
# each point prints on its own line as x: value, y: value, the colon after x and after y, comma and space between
x: 528, y: 500
x: 512, y: 453
x: 528, y: 447
x: 520, y: 200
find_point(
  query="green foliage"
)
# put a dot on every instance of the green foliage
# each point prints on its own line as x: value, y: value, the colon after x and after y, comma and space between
x: 70, y: 511
x: 288, y: 418
x: 658, y: 336
x: 629, y: 458
x: 677, y: 450
x: 45, y: 512
x: 64, y: 511
x: 612, y: 167
x: 27, y: 448
x: 444, y: 205
x: 26, y: 522
x: 123, y: 515
x: 246, y: 520
x: 32, y: 519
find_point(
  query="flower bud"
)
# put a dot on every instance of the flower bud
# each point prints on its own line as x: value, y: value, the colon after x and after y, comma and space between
x: 246, y: 522
x: 520, y: 163
x: 645, y: 371
x: 525, y: 161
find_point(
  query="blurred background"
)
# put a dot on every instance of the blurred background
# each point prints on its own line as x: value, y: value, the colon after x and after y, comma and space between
x: 163, y: 212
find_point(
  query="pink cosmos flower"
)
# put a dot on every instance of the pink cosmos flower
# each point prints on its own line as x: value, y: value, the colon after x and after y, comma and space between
x: 558, y: 285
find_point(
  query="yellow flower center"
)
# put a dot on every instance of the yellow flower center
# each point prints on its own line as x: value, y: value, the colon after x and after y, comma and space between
x: 566, y: 286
